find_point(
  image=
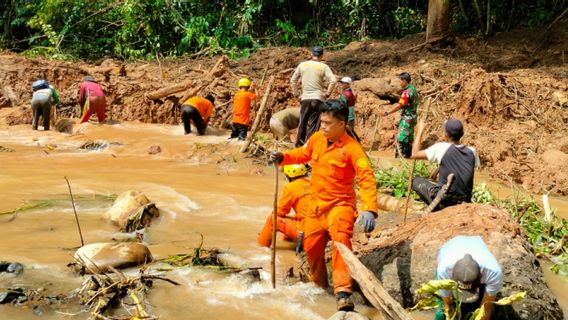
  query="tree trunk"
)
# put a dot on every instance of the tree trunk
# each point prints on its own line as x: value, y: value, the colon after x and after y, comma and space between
x: 439, y: 17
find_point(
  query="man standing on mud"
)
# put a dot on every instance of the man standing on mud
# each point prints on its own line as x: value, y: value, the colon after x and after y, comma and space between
x: 336, y: 159
x: 313, y: 73
x: 408, y: 105
x: 460, y: 160
x: 92, y: 99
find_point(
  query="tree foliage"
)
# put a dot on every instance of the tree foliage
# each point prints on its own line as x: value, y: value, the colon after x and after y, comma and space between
x: 147, y: 28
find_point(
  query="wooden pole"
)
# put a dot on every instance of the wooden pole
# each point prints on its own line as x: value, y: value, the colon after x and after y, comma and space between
x: 371, y: 286
x: 440, y: 195
x: 414, y: 164
x: 377, y: 125
x: 75, y: 211
x: 274, y: 226
x: 258, y: 115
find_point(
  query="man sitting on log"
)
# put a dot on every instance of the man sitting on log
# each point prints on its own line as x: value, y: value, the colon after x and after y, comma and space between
x: 468, y: 261
x: 453, y: 158
x: 197, y: 110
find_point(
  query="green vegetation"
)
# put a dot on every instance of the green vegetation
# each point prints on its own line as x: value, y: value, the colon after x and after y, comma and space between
x: 430, y: 289
x: 133, y: 29
x: 61, y: 201
x: 548, y: 236
x: 394, y: 180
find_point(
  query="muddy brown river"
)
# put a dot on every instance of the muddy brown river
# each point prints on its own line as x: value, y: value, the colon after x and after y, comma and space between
x: 225, y: 201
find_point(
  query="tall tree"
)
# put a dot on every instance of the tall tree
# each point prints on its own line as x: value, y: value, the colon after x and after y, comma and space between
x: 439, y: 17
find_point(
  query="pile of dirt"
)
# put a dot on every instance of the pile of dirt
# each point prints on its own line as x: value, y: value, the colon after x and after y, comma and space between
x: 511, y: 96
x: 404, y: 257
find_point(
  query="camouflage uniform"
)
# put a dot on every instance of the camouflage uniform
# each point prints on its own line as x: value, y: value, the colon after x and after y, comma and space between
x: 409, y: 103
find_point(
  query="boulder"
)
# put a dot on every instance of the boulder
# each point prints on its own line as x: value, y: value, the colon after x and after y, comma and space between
x: 100, y: 257
x: 404, y: 257
x: 387, y: 88
x: 132, y: 211
x: 64, y: 126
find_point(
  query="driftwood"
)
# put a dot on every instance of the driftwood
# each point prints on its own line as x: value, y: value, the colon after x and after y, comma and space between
x: 258, y: 115
x: 218, y: 69
x: 441, y: 193
x: 371, y: 286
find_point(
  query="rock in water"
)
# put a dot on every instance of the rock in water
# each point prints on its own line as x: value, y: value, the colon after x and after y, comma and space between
x: 404, y: 257
x: 100, y: 257
x: 343, y: 315
x: 154, y: 150
x: 132, y: 211
x: 64, y: 126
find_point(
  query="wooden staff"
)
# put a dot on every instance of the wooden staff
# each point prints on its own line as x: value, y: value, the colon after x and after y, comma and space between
x: 274, y: 225
x: 414, y: 164
x: 377, y: 125
x: 75, y: 211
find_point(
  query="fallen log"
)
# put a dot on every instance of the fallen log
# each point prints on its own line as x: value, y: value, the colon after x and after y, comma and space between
x: 258, y: 115
x: 371, y: 286
x: 217, y: 70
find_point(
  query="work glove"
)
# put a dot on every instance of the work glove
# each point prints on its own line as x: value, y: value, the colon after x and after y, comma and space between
x: 300, y: 243
x: 275, y: 157
x: 367, y: 220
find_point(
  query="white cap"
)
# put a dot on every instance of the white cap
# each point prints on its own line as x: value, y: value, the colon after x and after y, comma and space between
x: 346, y: 80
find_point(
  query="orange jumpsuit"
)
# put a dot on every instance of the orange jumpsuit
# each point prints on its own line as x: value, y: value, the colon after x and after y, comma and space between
x: 333, y: 212
x: 297, y: 195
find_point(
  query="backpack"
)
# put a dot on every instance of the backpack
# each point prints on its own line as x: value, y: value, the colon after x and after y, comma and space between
x: 40, y: 84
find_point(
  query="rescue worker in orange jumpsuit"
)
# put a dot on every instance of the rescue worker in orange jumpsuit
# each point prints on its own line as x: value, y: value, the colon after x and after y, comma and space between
x: 92, y: 99
x: 296, y: 195
x: 241, y: 109
x: 198, y: 110
x: 336, y: 160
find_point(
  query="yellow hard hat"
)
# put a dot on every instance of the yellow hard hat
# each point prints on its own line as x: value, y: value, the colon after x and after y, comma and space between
x: 244, y: 82
x: 295, y: 170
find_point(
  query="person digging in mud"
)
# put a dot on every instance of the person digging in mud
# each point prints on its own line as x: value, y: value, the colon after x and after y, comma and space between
x: 297, y: 195
x: 336, y: 159
x: 408, y: 105
x: 43, y: 98
x: 197, y: 110
x: 349, y: 98
x: 313, y: 73
x: 453, y: 158
x: 468, y: 261
x: 283, y: 121
x: 241, y: 109
x: 92, y: 99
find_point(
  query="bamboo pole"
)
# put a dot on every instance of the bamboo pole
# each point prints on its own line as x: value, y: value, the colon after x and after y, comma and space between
x: 75, y: 211
x: 258, y: 115
x: 371, y: 286
x: 274, y: 226
x: 410, y: 176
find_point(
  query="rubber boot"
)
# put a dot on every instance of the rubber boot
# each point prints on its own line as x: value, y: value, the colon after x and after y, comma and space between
x: 344, y: 302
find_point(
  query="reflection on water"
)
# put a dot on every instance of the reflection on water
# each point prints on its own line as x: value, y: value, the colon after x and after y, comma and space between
x: 227, y: 208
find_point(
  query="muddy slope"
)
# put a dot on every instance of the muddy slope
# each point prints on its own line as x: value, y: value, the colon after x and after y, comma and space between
x: 510, y: 90
x: 404, y: 257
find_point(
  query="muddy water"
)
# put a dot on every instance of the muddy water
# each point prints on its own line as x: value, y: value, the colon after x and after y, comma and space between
x: 224, y: 202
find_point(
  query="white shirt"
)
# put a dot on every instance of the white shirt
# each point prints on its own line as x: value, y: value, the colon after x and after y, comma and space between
x: 313, y: 73
x: 456, y: 248
x: 436, y: 152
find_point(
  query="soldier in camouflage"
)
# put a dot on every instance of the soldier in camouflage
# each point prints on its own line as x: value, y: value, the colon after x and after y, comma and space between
x: 408, y: 105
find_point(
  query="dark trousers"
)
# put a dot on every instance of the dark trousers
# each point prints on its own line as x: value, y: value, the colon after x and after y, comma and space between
x: 309, y: 120
x: 41, y: 106
x: 239, y: 131
x: 403, y: 149
x: 188, y: 114
x: 428, y: 190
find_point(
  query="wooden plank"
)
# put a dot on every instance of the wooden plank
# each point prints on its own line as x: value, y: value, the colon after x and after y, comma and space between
x: 371, y: 286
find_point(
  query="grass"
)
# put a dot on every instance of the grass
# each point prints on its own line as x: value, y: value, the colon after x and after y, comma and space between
x: 60, y: 201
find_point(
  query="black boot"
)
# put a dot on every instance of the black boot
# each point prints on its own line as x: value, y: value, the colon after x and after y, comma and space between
x: 344, y: 302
